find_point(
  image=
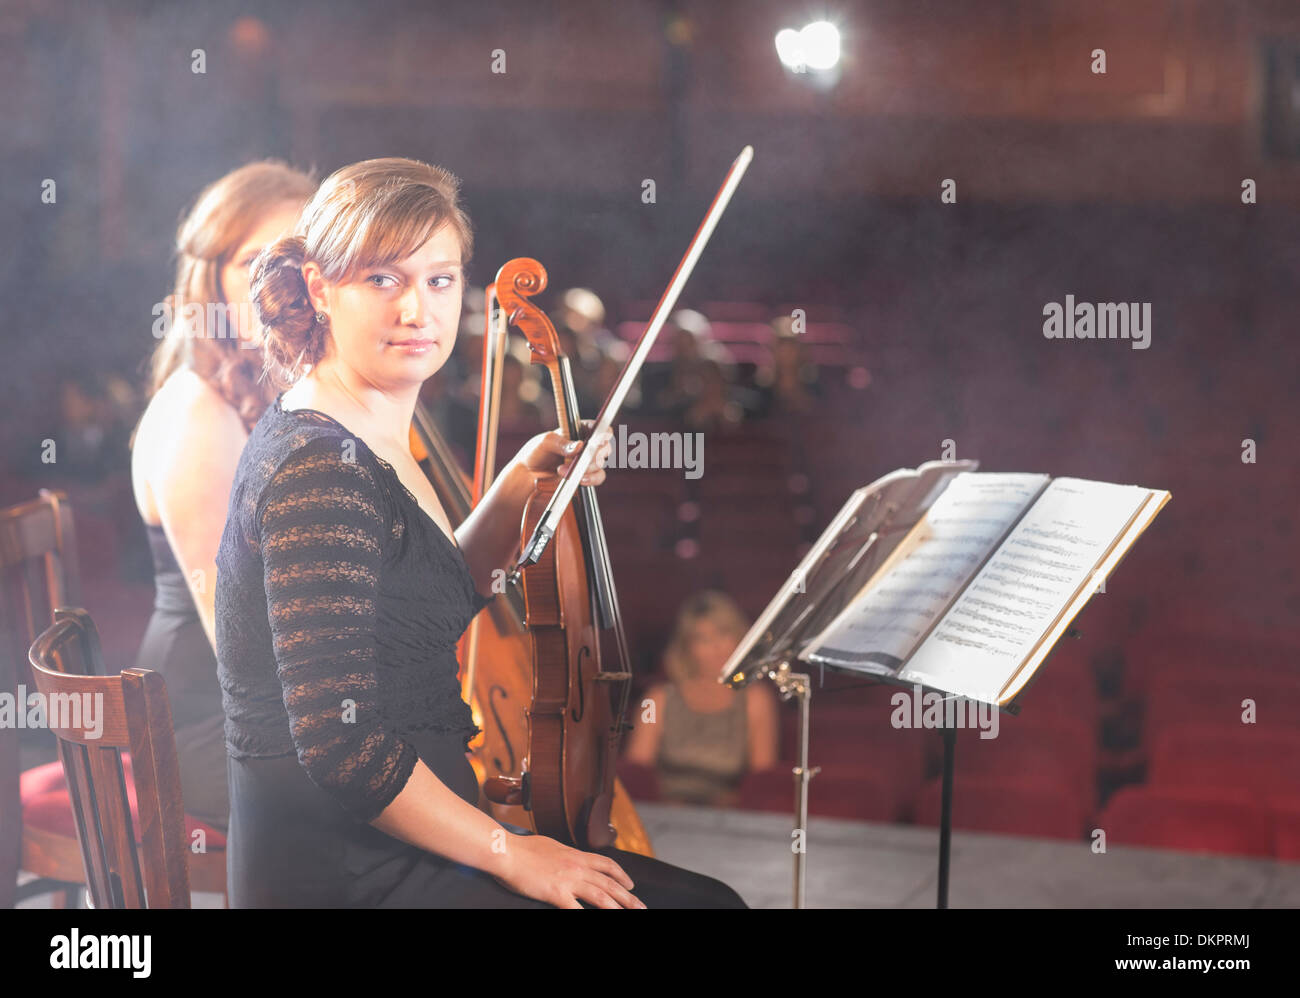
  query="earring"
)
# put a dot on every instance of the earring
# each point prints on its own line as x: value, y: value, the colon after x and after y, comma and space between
x: 322, y: 318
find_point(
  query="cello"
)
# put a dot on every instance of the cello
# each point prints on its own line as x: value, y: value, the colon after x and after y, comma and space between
x: 577, y: 708
x: 576, y: 716
x: 497, y: 668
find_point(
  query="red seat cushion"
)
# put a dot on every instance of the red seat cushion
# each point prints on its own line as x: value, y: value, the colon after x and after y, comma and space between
x: 1191, y: 818
x: 640, y: 782
x: 837, y: 791
x: 1007, y: 805
x: 1239, y: 756
x: 47, y: 805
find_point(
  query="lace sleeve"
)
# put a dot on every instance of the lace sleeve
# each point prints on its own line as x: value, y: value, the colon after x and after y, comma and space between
x: 322, y: 525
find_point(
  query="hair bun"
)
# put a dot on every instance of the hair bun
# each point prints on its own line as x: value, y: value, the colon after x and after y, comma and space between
x: 279, y: 295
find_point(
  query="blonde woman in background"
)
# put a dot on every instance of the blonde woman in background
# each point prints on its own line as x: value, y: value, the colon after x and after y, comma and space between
x: 206, y: 391
x: 704, y: 736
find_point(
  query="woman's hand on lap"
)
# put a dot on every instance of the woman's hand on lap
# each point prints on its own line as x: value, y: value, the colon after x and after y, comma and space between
x: 546, y: 870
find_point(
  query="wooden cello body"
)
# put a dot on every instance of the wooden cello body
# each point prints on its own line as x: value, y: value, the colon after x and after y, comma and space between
x: 581, y: 673
x: 497, y: 655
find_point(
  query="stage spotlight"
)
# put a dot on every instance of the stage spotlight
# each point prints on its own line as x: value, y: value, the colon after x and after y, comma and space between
x: 789, y: 49
x: 816, y: 46
x: 821, y: 45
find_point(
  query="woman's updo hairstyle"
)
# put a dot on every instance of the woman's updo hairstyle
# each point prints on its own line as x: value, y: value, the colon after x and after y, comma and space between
x: 369, y: 214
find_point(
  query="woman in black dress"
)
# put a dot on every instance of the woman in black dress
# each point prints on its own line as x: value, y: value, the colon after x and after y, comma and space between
x: 342, y: 589
x: 204, y: 398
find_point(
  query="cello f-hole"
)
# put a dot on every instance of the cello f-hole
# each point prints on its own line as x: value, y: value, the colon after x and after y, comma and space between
x: 577, y: 712
x: 495, y: 692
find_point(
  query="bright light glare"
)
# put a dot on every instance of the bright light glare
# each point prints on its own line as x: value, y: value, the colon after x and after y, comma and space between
x: 789, y: 47
x: 817, y: 46
x: 821, y: 44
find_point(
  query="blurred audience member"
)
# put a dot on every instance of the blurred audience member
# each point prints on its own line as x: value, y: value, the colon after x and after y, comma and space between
x: 580, y: 324
x: 789, y: 382
x: 719, y: 403
x: 465, y: 365
x: 669, y: 387
x: 704, y: 737
x: 94, y: 425
x: 526, y: 406
x: 607, y: 374
x: 452, y: 394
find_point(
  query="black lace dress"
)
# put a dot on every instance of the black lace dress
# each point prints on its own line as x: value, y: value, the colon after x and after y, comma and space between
x: 339, y: 605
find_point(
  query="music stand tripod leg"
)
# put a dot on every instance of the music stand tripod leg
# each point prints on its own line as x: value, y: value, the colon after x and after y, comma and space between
x: 945, y: 812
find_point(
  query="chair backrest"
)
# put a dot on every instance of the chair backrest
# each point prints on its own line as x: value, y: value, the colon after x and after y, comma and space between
x: 38, y: 572
x: 95, y: 717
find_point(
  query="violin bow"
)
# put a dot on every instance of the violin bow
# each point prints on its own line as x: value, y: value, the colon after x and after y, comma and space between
x: 563, y: 496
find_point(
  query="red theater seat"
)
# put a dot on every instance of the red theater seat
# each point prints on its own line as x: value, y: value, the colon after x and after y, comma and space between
x: 640, y: 782
x: 1006, y: 806
x: 1063, y: 688
x: 1194, y: 819
x: 1286, y: 827
x: 1159, y: 650
x: 854, y: 734
x: 736, y: 311
x: 835, y: 792
x: 857, y: 742
x: 1051, y: 750
x: 1247, y: 758
x: 46, y: 805
x: 1214, y: 699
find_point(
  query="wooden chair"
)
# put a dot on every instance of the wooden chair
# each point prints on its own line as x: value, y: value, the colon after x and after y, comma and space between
x: 133, y: 713
x: 38, y: 573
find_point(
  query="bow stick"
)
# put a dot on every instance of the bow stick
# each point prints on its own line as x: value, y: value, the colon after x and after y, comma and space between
x: 555, y: 509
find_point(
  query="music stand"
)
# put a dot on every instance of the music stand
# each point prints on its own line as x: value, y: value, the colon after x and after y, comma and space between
x: 862, y: 535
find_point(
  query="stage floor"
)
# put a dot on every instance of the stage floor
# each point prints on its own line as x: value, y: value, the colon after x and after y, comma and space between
x: 854, y: 864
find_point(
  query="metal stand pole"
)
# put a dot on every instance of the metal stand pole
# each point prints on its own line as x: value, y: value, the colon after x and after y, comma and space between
x: 945, y: 812
x: 798, y: 684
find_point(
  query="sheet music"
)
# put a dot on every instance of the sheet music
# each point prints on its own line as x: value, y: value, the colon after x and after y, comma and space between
x: 882, y: 624
x: 1018, y: 594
